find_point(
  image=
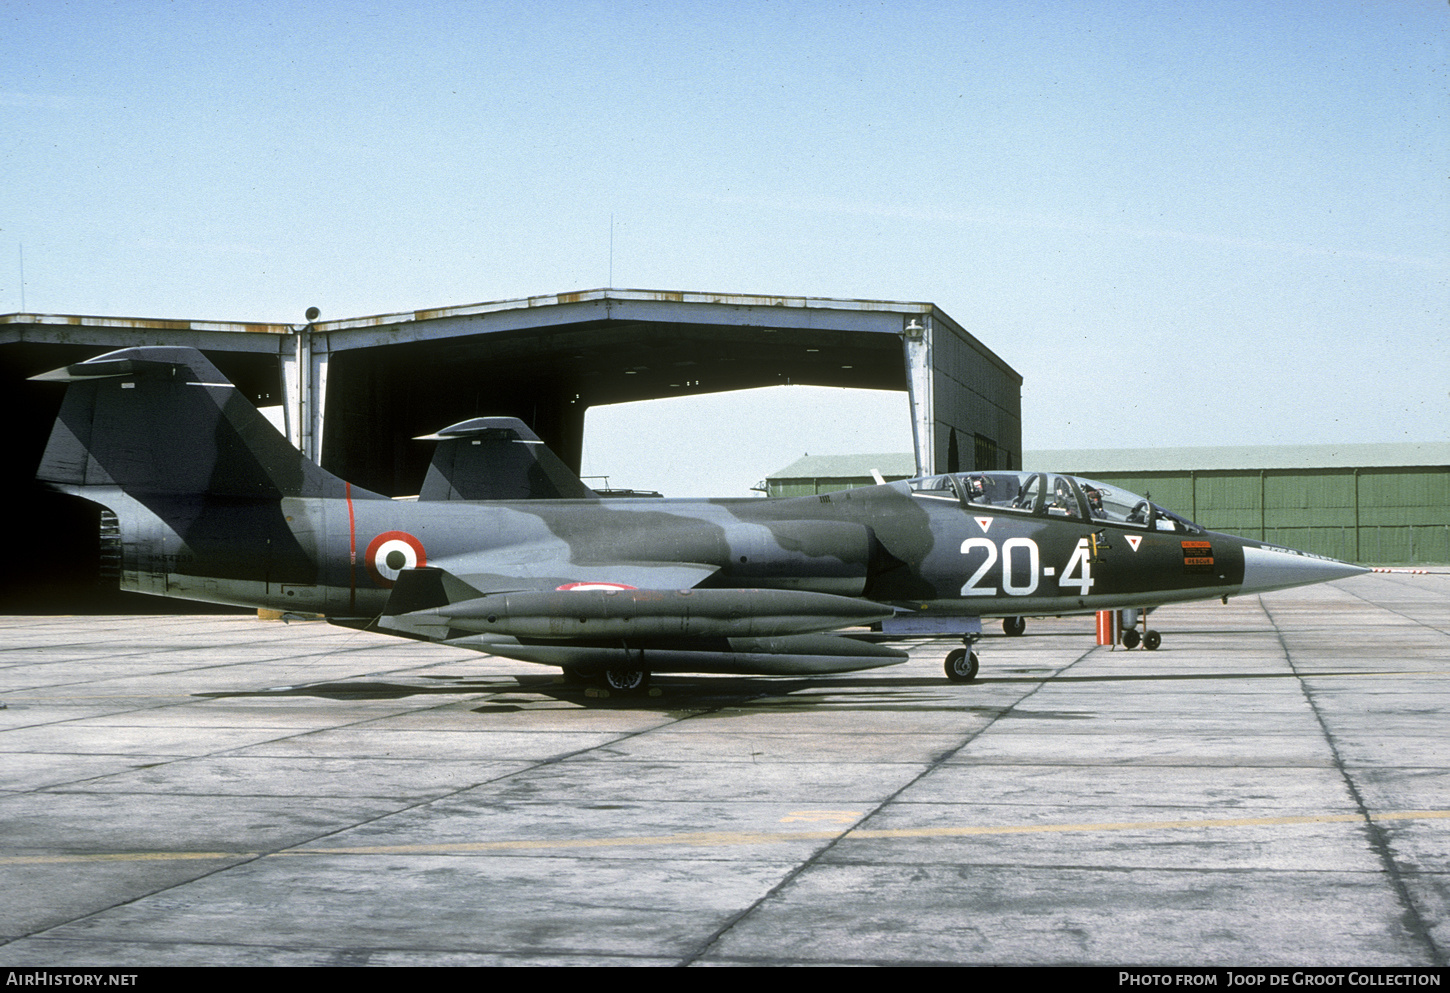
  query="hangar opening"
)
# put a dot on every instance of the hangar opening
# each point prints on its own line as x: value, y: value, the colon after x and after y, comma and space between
x: 718, y: 445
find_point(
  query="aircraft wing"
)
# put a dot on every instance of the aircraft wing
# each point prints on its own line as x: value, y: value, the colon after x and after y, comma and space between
x: 540, y: 570
x: 418, y: 594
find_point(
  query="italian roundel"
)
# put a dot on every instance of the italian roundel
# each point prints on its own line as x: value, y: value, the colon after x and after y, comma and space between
x: 390, y: 553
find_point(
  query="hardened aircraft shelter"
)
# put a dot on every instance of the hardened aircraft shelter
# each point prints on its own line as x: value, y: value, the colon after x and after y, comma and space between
x: 355, y: 392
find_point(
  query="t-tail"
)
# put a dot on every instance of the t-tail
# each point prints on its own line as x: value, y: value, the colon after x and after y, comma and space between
x: 163, y: 420
x: 195, y: 478
x: 497, y: 458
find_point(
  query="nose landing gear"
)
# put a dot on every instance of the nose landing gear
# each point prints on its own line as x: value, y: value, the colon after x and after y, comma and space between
x: 1132, y: 638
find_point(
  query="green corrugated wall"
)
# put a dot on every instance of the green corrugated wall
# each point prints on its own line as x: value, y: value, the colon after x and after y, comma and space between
x: 1374, y: 516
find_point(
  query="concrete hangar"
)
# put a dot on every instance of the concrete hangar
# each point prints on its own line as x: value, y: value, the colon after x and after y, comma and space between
x: 355, y: 392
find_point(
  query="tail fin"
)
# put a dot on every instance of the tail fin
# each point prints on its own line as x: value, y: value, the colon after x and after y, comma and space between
x: 497, y: 458
x: 163, y: 420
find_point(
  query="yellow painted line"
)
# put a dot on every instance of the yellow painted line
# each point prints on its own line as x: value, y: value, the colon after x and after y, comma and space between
x: 822, y: 816
x: 123, y: 857
x: 1218, y: 822
x: 702, y: 838
x: 655, y: 841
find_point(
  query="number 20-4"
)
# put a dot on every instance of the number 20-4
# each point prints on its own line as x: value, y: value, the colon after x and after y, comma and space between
x: 1021, y: 574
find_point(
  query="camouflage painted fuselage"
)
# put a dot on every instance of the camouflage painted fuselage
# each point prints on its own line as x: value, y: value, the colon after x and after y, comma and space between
x: 886, y: 543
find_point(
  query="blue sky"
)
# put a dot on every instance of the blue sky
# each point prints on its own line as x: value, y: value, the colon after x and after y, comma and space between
x: 1183, y: 223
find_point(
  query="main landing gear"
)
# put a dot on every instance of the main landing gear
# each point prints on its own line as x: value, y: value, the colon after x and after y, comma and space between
x: 961, y: 663
x: 624, y: 680
x: 620, y: 680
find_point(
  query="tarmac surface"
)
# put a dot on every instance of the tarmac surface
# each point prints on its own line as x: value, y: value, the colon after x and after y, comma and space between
x: 1271, y: 787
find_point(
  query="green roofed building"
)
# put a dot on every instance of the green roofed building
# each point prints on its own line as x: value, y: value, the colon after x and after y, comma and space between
x: 1376, y: 504
x: 814, y: 474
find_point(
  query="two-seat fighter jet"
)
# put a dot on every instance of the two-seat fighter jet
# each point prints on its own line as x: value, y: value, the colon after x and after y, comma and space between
x: 505, y: 551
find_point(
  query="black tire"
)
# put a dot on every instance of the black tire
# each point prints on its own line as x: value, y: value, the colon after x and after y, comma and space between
x: 626, y: 680
x: 1131, y: 638
x: 961, y: 666
x: 1151, y: 640
x: 1014, y: 626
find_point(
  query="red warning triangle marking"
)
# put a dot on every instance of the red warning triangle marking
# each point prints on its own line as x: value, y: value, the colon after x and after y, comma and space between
x: 1134, y: 540
x: 984, y: 523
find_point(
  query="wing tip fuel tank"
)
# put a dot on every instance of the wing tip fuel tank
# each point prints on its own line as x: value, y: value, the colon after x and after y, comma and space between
x: 695, y: 613
x: 790, y: 655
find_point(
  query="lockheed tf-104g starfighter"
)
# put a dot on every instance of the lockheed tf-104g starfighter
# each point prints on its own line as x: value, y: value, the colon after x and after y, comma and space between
x: 505, y: 551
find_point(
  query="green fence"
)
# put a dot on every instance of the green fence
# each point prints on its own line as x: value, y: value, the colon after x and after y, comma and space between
x: 1396, y: 516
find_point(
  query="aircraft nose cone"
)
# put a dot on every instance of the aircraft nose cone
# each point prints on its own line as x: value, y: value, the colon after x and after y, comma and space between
x: 1267, y: 568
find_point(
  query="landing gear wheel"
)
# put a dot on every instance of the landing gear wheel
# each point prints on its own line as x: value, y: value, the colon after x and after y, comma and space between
x: 961, y: 666
x: 1151, y: 640
x: 1131, y: 638
x: 1014, y: 626
x: 627, y: 680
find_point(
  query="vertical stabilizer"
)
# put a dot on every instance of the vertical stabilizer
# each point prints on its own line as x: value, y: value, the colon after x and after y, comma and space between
x: 163, y: 420
x: 497, y: 458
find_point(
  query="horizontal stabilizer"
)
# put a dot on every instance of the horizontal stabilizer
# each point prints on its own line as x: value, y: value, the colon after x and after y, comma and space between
x: 103, y: 367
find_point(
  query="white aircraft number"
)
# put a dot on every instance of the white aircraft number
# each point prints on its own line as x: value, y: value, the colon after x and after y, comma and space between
x: 1022, y: 567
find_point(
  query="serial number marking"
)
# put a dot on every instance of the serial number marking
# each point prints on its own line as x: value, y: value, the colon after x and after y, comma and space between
x: 1022, y: 569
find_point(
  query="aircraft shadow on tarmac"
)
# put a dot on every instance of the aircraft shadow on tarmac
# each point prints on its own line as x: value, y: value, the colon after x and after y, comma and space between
x: 667, y: 694
x: 671, y: 694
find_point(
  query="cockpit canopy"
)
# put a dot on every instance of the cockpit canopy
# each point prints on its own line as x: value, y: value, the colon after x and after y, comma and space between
x: 1052, y: 494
